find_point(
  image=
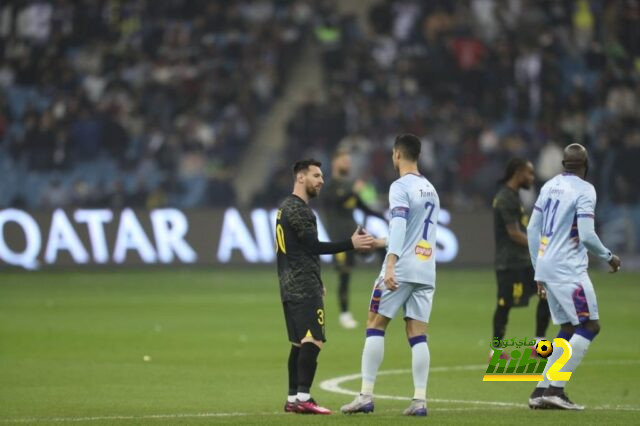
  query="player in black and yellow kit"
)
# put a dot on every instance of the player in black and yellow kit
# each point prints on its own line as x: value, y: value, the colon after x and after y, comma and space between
x: 514, y: 272
x: 339, y: 201
x: 301, y: 287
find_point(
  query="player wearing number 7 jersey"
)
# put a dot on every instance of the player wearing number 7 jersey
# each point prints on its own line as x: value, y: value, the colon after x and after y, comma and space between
x: 560, y: 233
x: 407, y: 279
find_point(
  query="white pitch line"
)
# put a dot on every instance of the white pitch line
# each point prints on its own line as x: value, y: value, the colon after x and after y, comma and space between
x: 334, y: 385
x: 141, y: 417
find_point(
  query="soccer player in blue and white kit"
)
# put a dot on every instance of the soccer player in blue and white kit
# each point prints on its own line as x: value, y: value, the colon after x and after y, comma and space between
x: 407, y: 279
x: 560, y: 233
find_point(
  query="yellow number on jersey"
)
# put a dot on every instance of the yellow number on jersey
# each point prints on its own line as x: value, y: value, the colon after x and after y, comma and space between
x: 320, y: 313
x: 280, y: 239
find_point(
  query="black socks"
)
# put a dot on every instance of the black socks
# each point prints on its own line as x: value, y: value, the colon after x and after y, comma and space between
x: 307, y: 364
x: 293, y: 370
x: 500, y: 321
x: 343, y: 291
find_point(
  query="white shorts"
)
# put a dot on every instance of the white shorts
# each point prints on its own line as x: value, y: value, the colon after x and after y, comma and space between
x: 416, y: 300
x: 572, y: 302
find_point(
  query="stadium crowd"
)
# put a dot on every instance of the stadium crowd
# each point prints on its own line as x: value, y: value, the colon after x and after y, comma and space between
x: 136, y: 102
x: 482, y: 81
x: 140, y: 103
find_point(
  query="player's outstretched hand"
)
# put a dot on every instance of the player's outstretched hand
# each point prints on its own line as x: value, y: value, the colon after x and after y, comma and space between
x: 362, y: 240
x: 614, y: 264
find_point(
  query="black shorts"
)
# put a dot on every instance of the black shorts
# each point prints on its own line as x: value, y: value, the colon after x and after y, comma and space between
x: 516, y: 286
x: 304, y: 318
x: 343, y: 260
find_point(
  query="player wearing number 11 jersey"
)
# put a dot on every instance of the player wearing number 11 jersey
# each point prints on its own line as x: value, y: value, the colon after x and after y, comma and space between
x: 560, y: 233
x: 407, y: 279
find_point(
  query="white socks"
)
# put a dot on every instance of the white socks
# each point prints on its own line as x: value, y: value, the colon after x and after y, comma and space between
x: 372, y: 356
x: 553, y: 358
x: 420, y: 365
x: 579, y: 341
x: 303, y: 396
x: 579, y: 345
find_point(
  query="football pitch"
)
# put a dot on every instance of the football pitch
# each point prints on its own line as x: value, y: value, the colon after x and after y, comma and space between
x: 204, y: 346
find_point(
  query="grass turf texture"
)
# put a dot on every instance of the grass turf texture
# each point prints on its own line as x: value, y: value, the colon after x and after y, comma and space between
x: 72, y: 347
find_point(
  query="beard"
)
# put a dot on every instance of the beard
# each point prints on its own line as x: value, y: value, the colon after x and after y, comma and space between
x: 312, y: 191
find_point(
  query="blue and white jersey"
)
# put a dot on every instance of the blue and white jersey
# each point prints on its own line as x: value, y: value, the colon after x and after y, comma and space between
x: 414, y: 207
x: 565, y: 204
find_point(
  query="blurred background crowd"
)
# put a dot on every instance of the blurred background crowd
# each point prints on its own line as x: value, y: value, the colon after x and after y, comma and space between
x: 153, y: 103
x: 141, y: 103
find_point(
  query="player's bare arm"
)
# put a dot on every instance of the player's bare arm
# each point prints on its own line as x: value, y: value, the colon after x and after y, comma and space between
x: 389, y: 275
x: 513, y: 229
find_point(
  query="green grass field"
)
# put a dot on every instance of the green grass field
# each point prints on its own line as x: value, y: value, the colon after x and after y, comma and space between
x: 72, y: 347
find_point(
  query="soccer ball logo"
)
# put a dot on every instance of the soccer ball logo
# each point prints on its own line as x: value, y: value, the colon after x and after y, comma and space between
x: 544, y: 348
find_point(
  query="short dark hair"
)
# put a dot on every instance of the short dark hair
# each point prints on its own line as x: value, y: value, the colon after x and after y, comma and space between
x: 409, y: 145
x: 513, y: 166
x: 303, y: 165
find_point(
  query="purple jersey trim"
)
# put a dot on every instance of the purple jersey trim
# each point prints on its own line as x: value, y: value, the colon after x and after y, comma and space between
x: 375, y: 300
x: 581, y: 305
x: 417, y: 339
x: 402, y: 212
x: 374, y: 332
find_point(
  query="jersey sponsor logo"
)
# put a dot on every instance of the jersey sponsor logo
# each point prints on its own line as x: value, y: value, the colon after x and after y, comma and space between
x: 544, y: 242
x: 423, y: 250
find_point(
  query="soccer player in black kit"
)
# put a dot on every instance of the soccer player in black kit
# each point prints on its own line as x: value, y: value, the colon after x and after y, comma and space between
x: 514, y: 272
x: 339, y: 200
x: 301, y: 287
